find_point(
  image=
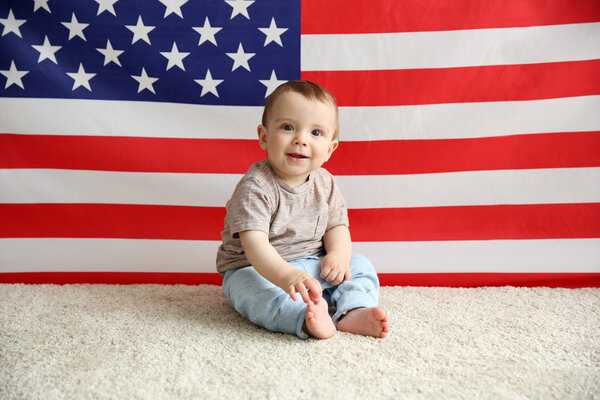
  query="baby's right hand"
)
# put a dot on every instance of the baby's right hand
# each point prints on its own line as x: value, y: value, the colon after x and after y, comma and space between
x: 302, y: 283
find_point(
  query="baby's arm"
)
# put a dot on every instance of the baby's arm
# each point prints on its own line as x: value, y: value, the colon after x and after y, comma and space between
x: 335, y: 266
x: 265, y: 259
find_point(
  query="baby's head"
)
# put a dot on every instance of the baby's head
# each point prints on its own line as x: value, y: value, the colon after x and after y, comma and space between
x: 311, y: 91
x: 299, y: 130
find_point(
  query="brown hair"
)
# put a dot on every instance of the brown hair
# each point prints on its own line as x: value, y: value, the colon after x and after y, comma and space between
x: 309, y: 90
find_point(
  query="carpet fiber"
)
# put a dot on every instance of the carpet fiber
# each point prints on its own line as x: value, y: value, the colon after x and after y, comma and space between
x: 185, y: 342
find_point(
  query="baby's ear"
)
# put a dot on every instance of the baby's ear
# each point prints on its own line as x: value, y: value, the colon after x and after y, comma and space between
x: 262, y: 136
x: 334, y: 145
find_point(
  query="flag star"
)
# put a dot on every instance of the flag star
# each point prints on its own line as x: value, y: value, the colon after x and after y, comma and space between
x: 173, y: 6
x: 13, y: 76
x: 41, y: 4
x: 273, y: 33
x: 175, y: 57
x: 47, y: 51
x: 145, y: 82
x: 140, y: 31
x: 75, y: 28
x: 110, y: 54
x: 106, y: 5
x: 11, y: 24
x: 271, y: 84
x: 239, y: 7
x: 207, y: 33
x: 209, y: 84
x: 240, y: 59
x: 81, y: 78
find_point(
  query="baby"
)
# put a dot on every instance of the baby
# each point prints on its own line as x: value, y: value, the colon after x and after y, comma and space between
x: 286, y: 253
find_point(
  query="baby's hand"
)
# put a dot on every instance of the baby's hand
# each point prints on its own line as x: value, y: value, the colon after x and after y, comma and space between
x: 335, y: 269
x: 301, y: 282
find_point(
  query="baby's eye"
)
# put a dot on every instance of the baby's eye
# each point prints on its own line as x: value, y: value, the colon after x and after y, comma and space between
x: 287, y: 127
x: 317, y: 132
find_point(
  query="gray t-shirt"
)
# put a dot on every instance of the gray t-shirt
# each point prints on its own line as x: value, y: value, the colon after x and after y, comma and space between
x: 295, y: 218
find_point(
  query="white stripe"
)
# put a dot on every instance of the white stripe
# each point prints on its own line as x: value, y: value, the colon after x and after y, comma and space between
x: 470, y: 120
x: 536, y: 186
x: 129, y: 255
x: 551, y: 255
x: 436, y: 121
x: 75, y: 186
x: 459, y: 48
x: 126, y: 118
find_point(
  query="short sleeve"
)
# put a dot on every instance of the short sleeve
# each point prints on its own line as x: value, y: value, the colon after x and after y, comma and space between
x: 249, y: 208
x: 338, y: 212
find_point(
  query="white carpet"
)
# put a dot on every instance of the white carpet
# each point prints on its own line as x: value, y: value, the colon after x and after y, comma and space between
x: 185, y: 342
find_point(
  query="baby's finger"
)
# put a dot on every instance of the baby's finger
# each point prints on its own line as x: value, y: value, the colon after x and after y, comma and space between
x: 303, y: 291
x: 314, y: 288
x: 339, y: 278
x: 347, y: 275
x: 325, y: 270
x: 292, y: 292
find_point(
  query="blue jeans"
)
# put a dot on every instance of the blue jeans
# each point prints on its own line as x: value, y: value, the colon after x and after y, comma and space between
x: 269, y: 306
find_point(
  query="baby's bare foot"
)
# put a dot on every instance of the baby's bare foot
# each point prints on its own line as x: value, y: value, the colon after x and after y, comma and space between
x: 318, y: 323
x: 366, y: 321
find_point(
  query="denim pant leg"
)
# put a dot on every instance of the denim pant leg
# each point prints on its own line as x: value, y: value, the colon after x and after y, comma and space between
x: 263, y: 303
x: 360, y: 291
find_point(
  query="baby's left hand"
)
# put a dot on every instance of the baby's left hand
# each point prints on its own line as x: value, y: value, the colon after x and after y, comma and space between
x: 335, y: 269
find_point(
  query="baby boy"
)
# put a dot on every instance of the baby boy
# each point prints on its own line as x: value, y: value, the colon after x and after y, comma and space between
x: 286, y: 255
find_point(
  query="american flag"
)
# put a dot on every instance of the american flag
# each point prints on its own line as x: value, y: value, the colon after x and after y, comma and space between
x: 470, y: 131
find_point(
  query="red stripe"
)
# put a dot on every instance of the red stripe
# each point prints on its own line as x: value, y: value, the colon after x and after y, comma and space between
x: 136, y: 154
x: 460, y: 85
x: 552, y: 150
x: 564, y: 280
x: 545, y: 221
x: 111, y: 221
x: 528, y: 221
x: 367, y: 16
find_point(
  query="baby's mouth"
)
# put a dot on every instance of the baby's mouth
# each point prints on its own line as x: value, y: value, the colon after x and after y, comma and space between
x: 296, y: 156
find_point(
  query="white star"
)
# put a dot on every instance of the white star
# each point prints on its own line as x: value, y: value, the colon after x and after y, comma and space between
x: 11, y: 24
x: 81, y: 78
x: 41, y: 4
x: 110, y: 54
x: 175, y: 57
x: 140, y: 31
x: 207, y: 32
x: 239, y: 7
x: 240, y: 59
x: 273, y: 33
x: 209, y: 84
x: 47, y: 51
x: 13, y: 76
x: 106, y: 5
x: 145, y: 82
x: 75, y: 28
x: 271, y: 84
x: 173, y: 6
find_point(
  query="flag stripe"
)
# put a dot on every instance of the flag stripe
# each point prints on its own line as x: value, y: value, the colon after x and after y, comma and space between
x: 535, y: 186
x: 563, y: 280
x: 537, y: 221
x: 151, y: 255
x: 443, y: 49
x: 432, y: 121
x: 570, y: 149
x: 461, y: 84
x: 364, y: 16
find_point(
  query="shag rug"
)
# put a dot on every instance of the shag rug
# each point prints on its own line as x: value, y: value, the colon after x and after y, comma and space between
x: 185, y: 342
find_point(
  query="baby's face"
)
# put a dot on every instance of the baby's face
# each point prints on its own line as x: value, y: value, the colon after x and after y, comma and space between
x: 298, y: 136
